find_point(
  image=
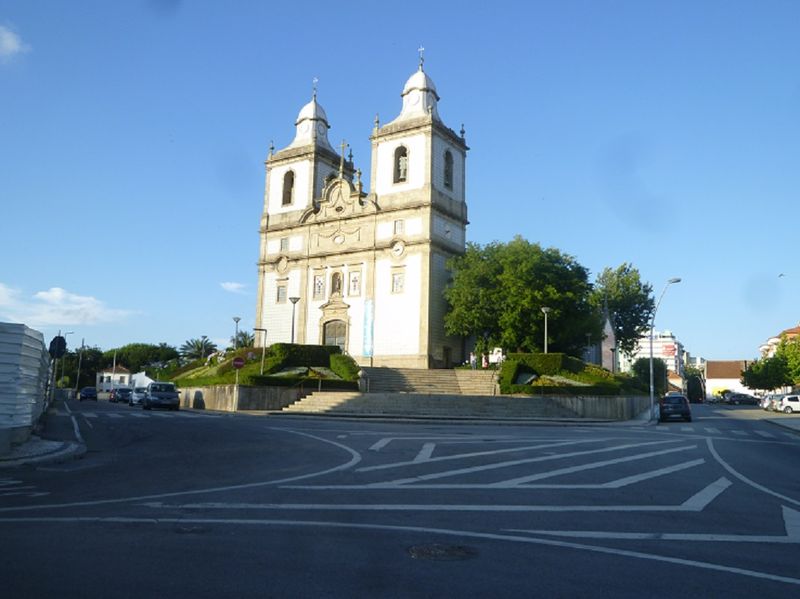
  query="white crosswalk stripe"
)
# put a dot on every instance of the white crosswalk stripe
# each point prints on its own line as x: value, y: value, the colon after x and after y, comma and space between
x: 740, y: 433
x: 687, y: 429
x: 765, y: 434
x: 712, y: 430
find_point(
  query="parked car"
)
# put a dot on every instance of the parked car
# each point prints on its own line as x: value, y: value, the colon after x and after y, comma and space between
x: 88, y: 393
x: 742, y: 398
x: 120, y: 394
x: 161, y: 395
x: 788, y: 404
x: 137, y: 396
x: 766, y: 401
x: 674, y: 406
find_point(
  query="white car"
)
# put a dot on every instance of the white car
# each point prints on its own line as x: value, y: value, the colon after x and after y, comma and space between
x: 137, y: 396
x: 788, y: 404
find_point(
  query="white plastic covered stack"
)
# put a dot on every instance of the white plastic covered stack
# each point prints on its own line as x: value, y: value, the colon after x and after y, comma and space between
x: 24, y: 368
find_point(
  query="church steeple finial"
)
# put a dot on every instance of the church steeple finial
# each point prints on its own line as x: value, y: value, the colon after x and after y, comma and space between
x: 314, y: 82
x: 341, y: 159
x: 421, y: 51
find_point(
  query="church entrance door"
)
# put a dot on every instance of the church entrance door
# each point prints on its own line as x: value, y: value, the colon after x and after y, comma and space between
x: 334, y: 333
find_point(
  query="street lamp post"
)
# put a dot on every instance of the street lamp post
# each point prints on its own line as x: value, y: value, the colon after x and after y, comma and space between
x: 545, y: 310
x: 80, y: 359
x: 652, y: 324
x: 294, y: 301
x: 236, y: 319
x: 263, y: 347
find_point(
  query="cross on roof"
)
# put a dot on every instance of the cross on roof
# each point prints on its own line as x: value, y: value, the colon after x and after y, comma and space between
x: 421, y: 51
x: 314, y: 82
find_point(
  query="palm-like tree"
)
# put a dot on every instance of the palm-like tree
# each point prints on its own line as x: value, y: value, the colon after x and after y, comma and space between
x: 198, y: 348
x: 243, y: 339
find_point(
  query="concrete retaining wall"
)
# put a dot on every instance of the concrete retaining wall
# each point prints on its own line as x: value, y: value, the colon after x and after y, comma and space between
x: 226, y: 398
x: 605, y: 407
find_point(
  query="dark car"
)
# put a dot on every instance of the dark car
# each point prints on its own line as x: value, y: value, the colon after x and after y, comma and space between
x: 161, y: 395
x: 88, y: 393
x: 122, y: 394
x: 674, y: 406
x: 742, y: 398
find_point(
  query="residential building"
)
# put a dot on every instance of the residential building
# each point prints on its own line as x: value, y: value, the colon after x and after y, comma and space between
x: 110, y: 378
x: 722, y: 375
x: 769, y: 348
x: 666, y: 346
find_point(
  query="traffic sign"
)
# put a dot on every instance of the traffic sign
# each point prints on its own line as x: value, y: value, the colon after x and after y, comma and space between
x: 238, y: 363
x: 58, y: 346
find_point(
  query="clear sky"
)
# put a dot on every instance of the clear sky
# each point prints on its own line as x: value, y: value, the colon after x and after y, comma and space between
x: 133, y: 135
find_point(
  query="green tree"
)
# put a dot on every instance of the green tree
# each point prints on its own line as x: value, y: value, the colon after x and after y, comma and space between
x: 91, y: 361
x: 789, y: 350
x: 243, y: 339
x: 136, y: 356
x: 498, y: 291
x: 767, y: 374
x: 198, y: 348
x: 641, y: 372
x: 630, y: 303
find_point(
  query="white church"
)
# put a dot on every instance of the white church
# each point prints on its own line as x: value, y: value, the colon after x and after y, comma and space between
x: 365, y: 270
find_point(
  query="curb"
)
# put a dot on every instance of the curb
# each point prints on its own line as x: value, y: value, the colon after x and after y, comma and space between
x: 41, y: 451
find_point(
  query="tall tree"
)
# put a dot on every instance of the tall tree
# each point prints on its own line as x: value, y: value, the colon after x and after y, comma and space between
x: 767, y: 374
x: 641, y: 371
x: 243, y: 339
x: 135, y: 356
x: 498, y: 292
x: 198, y: 348
x: 789, y: 350
x: 629, y: 301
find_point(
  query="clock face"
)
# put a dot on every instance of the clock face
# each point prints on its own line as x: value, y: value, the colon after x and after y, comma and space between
x: 320, y: 129
x: 398, y: 247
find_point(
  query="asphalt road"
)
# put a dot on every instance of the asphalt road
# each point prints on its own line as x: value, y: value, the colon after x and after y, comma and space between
x: 192, y: 504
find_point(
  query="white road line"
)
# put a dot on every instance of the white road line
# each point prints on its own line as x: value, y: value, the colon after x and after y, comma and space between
x: 740, y: 433
x: 9, y: 481
x: 687, y: 429
x: 744, y: 479
x: 112, y: 415
x: 765, y: 434
x: 791, y: 519
x: 483, y: 453
x: 712, y: 430
x: 88, y: 414
x: 138, y: 415
x: 684, y: 563
x: 615, y: 484
x: 355, y: 457
x: 513, y: 482
x: 88, y: 422
x: 510, y: 463
x: 425, y: 453
x: 792, y: 436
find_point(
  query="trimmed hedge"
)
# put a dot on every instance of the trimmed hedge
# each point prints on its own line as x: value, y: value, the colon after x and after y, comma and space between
x: 344, y: 366
x: 303, y: 355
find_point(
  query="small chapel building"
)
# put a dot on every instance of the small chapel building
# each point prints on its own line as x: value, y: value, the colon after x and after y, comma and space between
x: 364, y: 270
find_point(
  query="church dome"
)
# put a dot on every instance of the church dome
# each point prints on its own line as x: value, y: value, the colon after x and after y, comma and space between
x: 312, y: 111
x: 419, y: 81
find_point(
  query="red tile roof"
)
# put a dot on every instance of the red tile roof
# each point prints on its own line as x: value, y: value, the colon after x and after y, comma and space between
x: 725, y: 369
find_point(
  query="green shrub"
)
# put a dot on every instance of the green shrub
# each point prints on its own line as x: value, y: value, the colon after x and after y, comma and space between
x: 304, y: 355
x: 344, y: 366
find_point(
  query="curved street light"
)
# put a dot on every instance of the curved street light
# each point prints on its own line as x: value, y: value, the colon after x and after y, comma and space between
x: 545, y: 310
x: 236, y: 319
x: 294, y: 301
x: 671, y: 281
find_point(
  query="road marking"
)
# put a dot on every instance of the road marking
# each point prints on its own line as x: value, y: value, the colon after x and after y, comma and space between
x: 115, y: 415
x: 355, y: 457
x: 513, y: 482
x: 9, y: 481
x: 765, y: 434
x: 744, y: 479
x: 712, y: 430
x: 684, y: 563
x: 425, y: 453
x: 614, y: 484
x: 139, y: 416
x: 687, y: 429
x: 475, y: 454
x: 88, y: 414
x: 497, y: 465
x: 88, y: 422
x: 791, y: 520
x: 740, y: 433
x: 696, y: 503
x: 378, y: 445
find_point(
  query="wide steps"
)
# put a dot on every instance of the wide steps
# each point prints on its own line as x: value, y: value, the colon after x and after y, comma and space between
x: 410, y: 404
x: 434, y: 382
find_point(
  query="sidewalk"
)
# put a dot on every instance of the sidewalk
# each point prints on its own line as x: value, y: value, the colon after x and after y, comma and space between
x: 791, y: 423
x: 55, y: 439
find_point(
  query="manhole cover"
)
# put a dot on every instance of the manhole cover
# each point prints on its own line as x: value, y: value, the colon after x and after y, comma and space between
x: 440, y: 552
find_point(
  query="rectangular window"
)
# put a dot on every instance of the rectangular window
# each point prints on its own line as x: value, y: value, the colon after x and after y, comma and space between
x: 284, y: 244
x: 319, y: 286
x: 281, y: 297
x: 355, y: 283
x: 398, y: 281
x: 399, y: 226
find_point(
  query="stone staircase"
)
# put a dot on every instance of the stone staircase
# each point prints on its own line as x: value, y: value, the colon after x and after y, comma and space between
x: 432, y: 382
x: 353, y: 403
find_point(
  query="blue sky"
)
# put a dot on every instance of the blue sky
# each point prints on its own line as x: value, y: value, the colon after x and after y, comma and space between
x: 133, y: 134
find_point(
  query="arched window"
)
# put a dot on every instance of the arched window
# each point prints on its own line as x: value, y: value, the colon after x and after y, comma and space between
x: 400, y: 164
x: 448, y: 169
x: 288, y: 188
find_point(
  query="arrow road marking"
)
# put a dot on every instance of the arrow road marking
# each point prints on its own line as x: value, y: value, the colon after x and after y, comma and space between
x: 791, y: 519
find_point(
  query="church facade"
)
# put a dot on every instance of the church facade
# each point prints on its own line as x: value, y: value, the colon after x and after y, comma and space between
x: 365, y: 270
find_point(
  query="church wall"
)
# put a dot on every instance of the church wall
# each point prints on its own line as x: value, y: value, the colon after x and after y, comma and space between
x: 397, y: 314
x: 302, y: 180
x: 277, y: 317
x: 411, y: 226
x: 417, y: 162
x: 439, y: 148
x: 448, y: 230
